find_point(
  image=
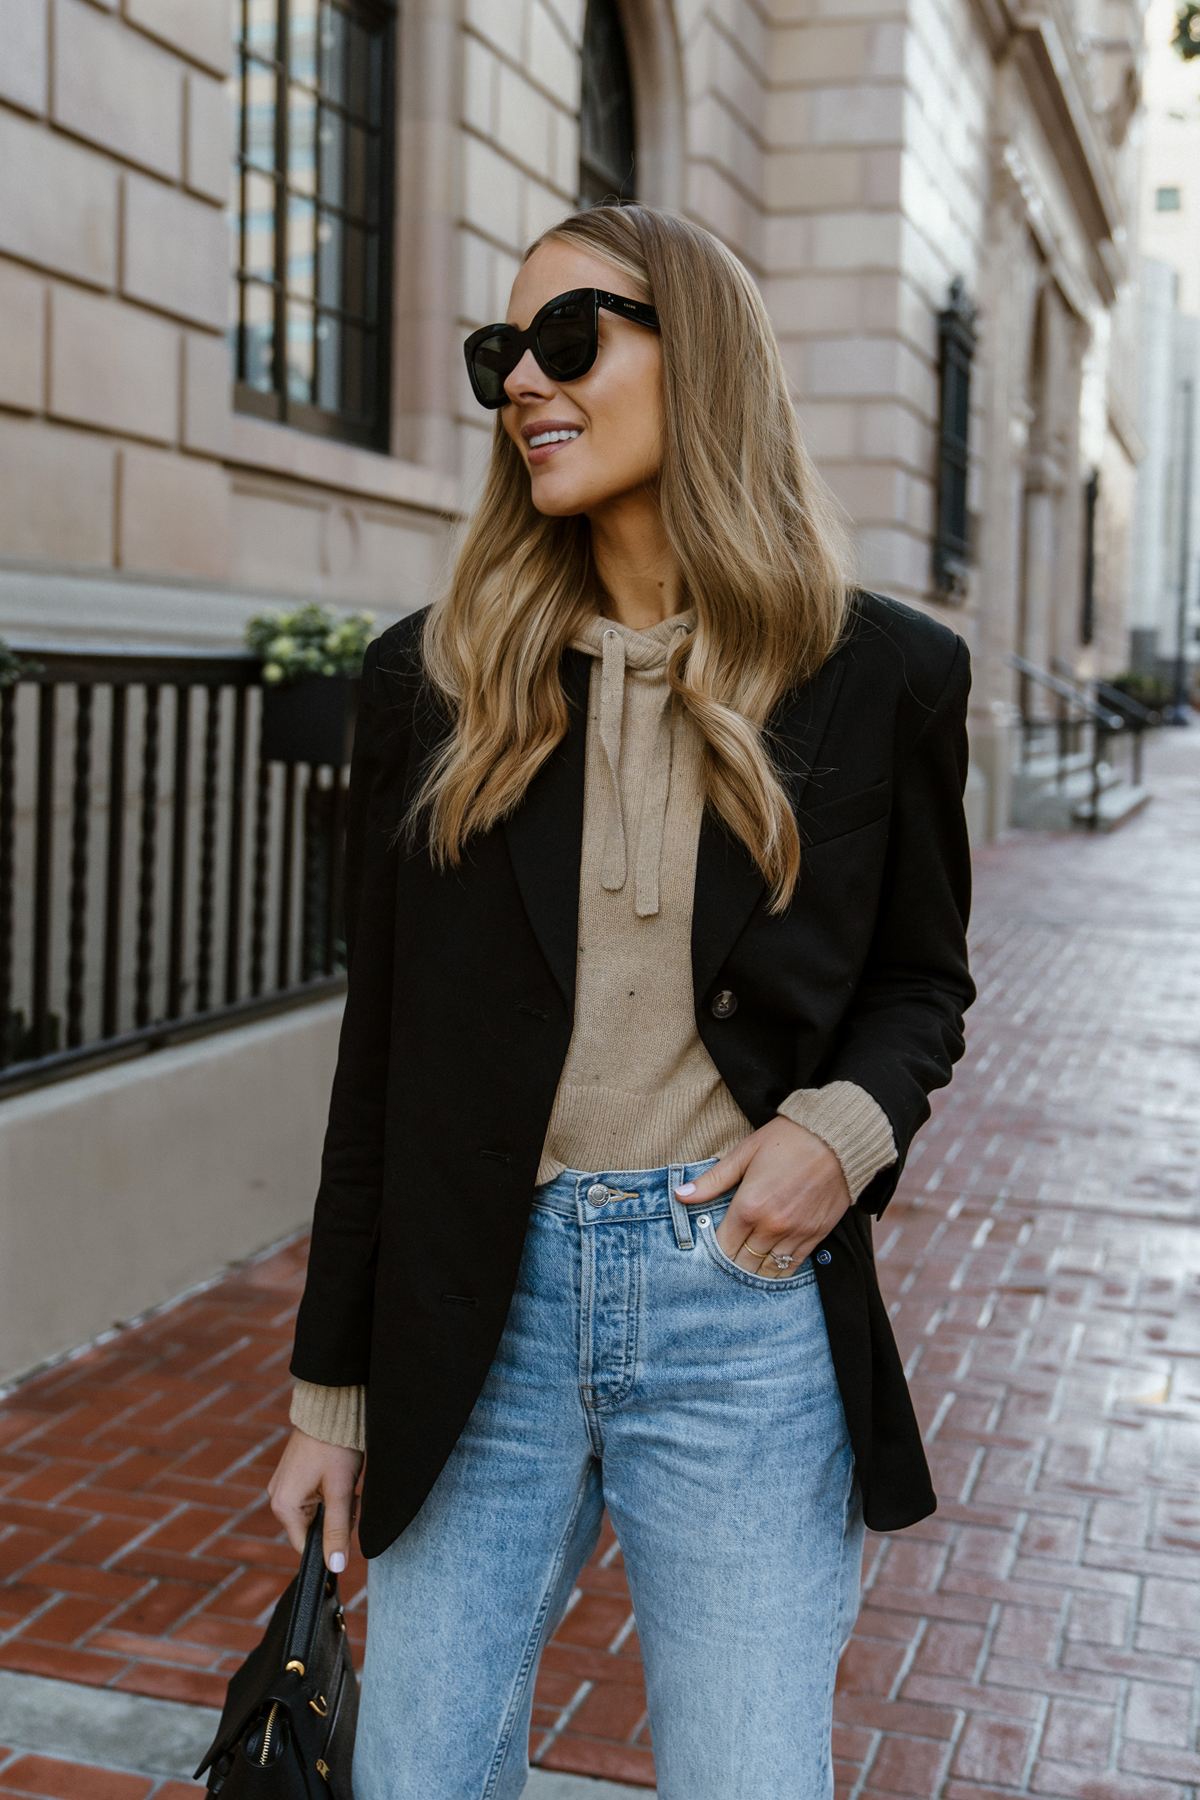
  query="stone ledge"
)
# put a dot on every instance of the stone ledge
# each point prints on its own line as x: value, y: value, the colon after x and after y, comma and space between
x: 258, y: 444
x: 130, y: 1184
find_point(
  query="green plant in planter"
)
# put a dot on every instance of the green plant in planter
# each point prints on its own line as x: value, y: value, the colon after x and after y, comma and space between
x: 310, y: 641
x: 1152, y: 691
x: 13, y: 668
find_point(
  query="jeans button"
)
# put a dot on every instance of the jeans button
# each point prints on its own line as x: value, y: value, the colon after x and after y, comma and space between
x: 597, y: 1193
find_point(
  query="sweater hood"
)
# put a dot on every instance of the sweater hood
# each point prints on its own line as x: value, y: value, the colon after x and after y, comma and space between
x: 642, y: 655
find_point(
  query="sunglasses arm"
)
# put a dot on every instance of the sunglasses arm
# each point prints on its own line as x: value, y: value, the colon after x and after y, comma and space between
x: 637, y: 310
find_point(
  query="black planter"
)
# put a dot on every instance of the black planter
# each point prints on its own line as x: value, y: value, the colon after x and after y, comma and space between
x: 310, y: 720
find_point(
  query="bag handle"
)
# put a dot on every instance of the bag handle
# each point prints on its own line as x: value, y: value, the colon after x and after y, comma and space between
x: 310, y: 1586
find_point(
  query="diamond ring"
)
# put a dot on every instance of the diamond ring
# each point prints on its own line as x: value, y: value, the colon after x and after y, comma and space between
x: 782, y: 1262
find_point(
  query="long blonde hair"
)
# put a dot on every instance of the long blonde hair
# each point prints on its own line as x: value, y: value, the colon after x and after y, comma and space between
x: 758, y: 543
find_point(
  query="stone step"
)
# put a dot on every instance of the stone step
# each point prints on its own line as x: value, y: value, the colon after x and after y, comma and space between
x: 1117, y: 804
x: 1043, y: 766
x: 1051, y: 805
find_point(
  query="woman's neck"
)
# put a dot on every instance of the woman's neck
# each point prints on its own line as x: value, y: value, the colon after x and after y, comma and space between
x: 635, y: 562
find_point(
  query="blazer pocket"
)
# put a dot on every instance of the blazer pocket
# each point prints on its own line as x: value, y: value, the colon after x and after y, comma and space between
x: 836, y: 818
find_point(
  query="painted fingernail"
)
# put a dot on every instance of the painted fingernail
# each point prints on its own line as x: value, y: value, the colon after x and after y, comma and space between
x: 337, y: 1562
x: 689, y: 1187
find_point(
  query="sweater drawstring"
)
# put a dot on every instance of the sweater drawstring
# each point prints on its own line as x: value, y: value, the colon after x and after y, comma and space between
x: 612, y: 707
x: 652, y: 824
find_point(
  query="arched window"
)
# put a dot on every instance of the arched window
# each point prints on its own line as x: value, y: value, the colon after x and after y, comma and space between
x: 606, y: 151
x: 311, y: 213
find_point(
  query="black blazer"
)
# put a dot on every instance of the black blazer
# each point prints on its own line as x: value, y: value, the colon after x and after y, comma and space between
x: 461, y: 1004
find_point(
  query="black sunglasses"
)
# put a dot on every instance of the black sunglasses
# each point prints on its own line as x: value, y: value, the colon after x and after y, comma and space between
x: 564, y: 337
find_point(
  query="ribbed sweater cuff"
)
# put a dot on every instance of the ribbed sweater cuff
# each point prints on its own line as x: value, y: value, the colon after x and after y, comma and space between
x: 854, y: 1126
x: 333, y: 1415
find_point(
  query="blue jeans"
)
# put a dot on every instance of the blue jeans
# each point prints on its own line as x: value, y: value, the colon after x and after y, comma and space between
x: 642, y: 1371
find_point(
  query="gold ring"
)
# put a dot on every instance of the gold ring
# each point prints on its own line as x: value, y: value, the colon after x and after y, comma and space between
x: 760, y: 1255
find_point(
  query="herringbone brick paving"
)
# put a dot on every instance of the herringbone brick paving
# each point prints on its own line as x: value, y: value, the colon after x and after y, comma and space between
x: 1039, y: 1636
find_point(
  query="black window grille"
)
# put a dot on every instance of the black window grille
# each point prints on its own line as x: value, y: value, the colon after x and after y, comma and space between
x: 606, y: 126
x: 1091, y: 497
x: 311, y: 211
x: 956, y: 347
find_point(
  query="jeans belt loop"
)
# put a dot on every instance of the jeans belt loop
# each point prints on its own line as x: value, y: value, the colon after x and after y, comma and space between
x: 680, y: 1217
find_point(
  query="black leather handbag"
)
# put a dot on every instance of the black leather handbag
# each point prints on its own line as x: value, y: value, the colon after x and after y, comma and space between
x: 287, y: 1730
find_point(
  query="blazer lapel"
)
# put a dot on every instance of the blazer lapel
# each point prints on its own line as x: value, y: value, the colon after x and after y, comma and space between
x: 545, y: 835
x: 729, y: 884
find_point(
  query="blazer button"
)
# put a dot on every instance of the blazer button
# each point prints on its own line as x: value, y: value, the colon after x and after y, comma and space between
x: 725, y: 1005
x: 824, y: 1256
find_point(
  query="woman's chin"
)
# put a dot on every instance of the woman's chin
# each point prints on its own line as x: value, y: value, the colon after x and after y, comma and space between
x: 558, y: 499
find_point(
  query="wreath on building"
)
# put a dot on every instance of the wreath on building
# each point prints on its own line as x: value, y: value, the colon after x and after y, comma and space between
x: 1187, y: 30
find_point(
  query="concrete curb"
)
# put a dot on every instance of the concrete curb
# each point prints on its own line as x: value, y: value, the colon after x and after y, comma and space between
x: 134, y: 1735
x: 125, y: 1732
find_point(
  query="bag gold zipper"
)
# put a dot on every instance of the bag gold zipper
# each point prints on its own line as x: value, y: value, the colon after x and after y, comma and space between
x: 262, y: 1761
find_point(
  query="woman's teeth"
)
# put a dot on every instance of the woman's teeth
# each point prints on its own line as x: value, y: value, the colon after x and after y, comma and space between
x: 551, y: 437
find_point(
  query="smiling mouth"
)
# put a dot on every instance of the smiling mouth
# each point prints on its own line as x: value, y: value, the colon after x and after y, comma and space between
x: 551, y: 437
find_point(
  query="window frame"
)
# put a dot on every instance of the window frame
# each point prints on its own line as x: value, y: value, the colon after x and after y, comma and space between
x: 371, y: 430
x: 596, y: 182
x: 957, y: 343
x: 1091, y: 503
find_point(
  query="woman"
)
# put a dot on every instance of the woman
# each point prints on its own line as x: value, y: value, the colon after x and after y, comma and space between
x: 657, y: 883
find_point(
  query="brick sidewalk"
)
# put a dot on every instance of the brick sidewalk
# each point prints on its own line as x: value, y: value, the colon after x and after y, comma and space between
x: 50, y: 1778
x: 1040, y: 1635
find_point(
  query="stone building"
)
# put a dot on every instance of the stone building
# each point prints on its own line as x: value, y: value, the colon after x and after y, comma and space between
x: 861, y: 155
x: 240, y: 244
x: 1164, y: 611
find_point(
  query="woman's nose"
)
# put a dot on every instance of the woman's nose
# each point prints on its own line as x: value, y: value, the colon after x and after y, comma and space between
x: 528, y: 381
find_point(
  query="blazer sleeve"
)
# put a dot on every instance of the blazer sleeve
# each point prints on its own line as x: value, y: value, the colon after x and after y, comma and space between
x: 904, y: 1030
x: 333, y: 1330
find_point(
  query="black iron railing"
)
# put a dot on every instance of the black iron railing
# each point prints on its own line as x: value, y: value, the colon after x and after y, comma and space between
x: 159, y: 876
x: 1079, y: 731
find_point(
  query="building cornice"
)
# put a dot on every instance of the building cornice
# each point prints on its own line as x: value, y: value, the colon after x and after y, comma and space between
x: 1124, y: 429
x: 1053, y: 78
x: 1060, y: 95
x: 1037, y: 215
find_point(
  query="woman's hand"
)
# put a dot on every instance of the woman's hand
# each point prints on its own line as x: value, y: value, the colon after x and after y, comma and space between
x: 309, y: 1472
x: 792, y: 1194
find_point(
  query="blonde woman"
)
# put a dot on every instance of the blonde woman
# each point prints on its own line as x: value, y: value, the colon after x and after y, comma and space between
x: 657, y: 889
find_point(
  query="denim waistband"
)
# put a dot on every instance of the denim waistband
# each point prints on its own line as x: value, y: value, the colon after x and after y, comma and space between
x: 627, y: 1193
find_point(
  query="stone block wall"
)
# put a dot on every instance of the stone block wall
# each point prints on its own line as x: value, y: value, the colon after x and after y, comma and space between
x: 519, y: 128
x: 841, y: 147
x: 114, y: 155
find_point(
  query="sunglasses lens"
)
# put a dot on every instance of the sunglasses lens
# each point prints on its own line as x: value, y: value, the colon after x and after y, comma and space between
x: 567, y: 340
x: 492, y: 362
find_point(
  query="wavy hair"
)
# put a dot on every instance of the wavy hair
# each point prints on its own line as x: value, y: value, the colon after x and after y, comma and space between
x: 757, y: 538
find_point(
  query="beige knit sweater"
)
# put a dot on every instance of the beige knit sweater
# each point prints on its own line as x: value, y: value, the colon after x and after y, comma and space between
x: 638, y: 1089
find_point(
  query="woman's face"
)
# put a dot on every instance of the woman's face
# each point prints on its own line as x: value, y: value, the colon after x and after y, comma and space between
x: 614, y: 412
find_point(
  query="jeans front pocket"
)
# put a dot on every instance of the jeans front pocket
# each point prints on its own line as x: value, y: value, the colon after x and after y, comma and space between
x: 707, y: 1223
